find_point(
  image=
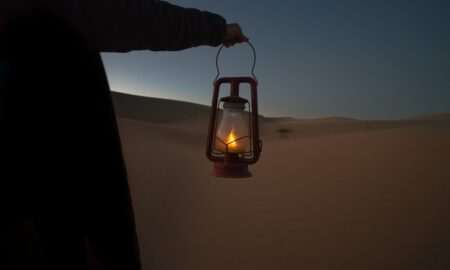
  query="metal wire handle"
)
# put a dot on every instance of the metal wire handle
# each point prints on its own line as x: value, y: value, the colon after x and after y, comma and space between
x: 254, y: 61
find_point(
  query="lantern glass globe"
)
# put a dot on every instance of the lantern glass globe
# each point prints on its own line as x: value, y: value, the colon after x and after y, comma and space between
x: 232, y: 135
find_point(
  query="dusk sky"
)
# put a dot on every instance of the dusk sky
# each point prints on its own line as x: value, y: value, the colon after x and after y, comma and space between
x: 360, y: 59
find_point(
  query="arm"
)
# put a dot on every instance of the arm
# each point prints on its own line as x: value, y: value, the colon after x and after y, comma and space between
x: 125, y: 25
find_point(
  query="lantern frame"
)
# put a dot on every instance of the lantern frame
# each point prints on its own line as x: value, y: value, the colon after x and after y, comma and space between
x: 233, y: 164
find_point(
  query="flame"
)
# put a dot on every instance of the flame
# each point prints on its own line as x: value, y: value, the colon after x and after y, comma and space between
x: 231, y: 141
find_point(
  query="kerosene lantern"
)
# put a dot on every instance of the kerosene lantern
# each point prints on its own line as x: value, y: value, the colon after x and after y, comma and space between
x: 233, y: 138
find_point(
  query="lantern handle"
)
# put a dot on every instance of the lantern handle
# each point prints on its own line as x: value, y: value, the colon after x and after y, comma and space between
x: 253, y: 67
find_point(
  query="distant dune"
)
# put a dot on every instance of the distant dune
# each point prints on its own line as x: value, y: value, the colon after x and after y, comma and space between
x: 332, y: 193
x: 156, y: 110
x: 165, y: 111
x: 433, y: 117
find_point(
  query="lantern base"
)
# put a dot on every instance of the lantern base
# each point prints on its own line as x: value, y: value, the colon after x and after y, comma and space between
x: 231, y: 170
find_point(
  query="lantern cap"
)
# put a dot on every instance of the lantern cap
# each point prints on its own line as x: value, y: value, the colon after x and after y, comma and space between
x: 234, y: 99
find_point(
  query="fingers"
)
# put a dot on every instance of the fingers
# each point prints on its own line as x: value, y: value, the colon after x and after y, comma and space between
x: 234, y: 35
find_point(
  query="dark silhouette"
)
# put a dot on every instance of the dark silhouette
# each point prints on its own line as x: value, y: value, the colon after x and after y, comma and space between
x: 63, y: 177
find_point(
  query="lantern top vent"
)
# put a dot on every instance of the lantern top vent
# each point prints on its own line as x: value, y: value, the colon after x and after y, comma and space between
x: 230, y: 100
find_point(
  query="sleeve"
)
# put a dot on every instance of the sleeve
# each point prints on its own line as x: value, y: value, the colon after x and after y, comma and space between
x: 125, y: 25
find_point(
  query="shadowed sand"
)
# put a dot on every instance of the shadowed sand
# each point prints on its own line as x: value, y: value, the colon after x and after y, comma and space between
x: 330, y: 193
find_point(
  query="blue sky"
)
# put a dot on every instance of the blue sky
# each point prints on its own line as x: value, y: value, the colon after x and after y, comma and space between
x: 361, y: 59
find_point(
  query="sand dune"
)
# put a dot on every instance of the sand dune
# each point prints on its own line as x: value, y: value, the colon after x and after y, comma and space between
x: 156, y: 110
x: 433, y: 117
x: 346, y: 194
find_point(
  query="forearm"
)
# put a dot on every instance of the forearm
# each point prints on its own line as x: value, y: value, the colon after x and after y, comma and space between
x: 125, y: 25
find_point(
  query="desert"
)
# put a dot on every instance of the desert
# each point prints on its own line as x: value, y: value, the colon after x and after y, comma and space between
x: 331, y: 193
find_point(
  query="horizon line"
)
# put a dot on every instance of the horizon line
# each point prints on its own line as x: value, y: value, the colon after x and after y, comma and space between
x: 297, y: 118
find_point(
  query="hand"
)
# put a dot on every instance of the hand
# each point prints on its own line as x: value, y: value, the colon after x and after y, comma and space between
x: 233, y: 35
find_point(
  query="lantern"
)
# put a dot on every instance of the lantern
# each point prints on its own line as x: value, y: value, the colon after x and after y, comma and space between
x: 233, y: 138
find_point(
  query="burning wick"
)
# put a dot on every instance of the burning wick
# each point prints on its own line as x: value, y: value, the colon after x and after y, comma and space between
x: 231, y: 142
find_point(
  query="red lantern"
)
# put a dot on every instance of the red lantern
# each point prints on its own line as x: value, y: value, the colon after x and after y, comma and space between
x: 233, y: 137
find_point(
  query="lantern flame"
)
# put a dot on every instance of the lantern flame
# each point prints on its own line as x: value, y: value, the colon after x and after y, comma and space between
x: 231, y: 140
x: 234, y: 144
x: 232, y: 137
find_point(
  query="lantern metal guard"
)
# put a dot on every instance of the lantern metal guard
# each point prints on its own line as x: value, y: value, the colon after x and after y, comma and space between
x: 228, y: 163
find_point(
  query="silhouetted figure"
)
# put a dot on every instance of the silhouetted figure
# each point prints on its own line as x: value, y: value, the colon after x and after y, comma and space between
x: 63, y: 178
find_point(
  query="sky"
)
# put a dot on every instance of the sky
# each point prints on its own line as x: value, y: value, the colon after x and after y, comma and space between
x: 371, y: 59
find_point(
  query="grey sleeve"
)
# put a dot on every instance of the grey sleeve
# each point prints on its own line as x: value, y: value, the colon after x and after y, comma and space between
x: 125, y: 25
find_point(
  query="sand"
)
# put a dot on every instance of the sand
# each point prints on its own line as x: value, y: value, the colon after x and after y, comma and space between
x: 332, y: 193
